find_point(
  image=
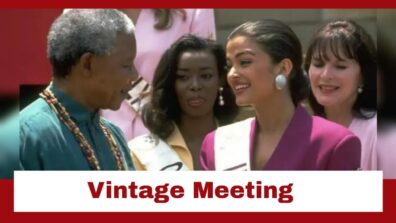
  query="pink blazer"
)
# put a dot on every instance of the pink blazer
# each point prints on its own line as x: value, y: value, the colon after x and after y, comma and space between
x: 308, y: 143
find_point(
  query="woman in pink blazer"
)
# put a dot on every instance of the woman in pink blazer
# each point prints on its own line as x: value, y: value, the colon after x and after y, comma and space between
x: 265, y: 59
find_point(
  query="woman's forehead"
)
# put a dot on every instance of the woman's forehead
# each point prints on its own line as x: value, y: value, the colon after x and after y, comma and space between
x: 329, y: 47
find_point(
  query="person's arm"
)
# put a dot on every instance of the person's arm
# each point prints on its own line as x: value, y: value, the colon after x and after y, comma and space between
x: 203, y: 24
x: 30, y: 148
x: 346, y: 154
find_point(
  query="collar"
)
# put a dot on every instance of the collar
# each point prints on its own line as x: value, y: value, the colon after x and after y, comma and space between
x: 176, y: 138
x: 301, y: 120
x: 76, y: 111
x: 300, y: 116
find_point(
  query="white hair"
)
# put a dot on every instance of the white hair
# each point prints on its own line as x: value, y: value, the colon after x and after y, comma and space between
x: 77, y: 31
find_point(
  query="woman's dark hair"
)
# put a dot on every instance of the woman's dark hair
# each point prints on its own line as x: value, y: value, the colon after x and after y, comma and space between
x: 279, y: 41
x: 346, y: 38
x: 163, y: 17
x: 164, y: 109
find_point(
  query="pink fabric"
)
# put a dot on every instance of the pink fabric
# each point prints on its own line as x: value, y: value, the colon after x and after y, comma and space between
x: 308, y: 143
x: 366, y: 130
x: 151, y: 44
x: 386, y: 149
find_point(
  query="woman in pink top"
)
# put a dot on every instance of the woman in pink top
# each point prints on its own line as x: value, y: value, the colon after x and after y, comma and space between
x: 342, y: 66
x: 156, y: 30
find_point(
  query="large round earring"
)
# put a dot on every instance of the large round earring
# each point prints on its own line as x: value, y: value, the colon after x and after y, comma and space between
x: 221, y: 99
x: 360, y: 89
x: 280, y: 81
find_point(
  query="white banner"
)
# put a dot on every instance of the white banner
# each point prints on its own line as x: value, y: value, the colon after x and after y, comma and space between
x: 196, y: 191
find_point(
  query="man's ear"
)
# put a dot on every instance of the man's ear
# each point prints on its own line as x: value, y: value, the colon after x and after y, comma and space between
x: 87, y: 63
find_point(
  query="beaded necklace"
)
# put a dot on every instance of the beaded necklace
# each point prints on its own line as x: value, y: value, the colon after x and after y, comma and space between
x: 87, y: 150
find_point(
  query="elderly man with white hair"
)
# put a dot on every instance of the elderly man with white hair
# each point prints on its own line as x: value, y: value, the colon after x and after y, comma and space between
x: 91, y: 52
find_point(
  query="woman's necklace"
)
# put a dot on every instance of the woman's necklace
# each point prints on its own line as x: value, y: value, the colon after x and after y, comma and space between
x: 87, y: 150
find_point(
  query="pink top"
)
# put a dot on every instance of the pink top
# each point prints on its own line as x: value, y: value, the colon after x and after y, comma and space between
x: 151, y: 44
x: 387, y: 151
x: 366, y: 130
